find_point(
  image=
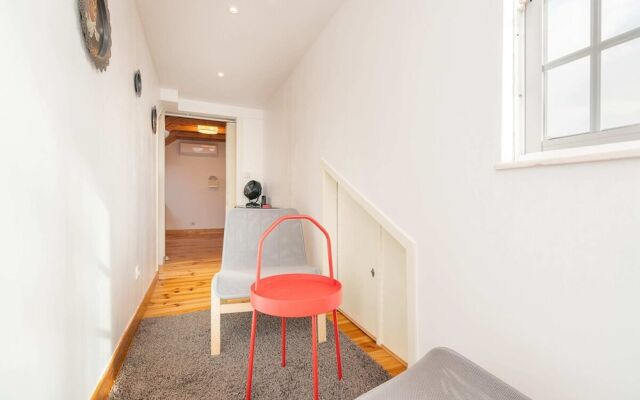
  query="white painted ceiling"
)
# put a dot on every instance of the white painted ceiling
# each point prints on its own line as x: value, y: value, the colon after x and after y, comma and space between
x: 192, y: 40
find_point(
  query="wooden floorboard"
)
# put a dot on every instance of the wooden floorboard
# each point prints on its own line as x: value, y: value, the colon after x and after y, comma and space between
x: 184, y: 286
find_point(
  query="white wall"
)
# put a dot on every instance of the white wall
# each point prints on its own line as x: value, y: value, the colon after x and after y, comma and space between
x: 77, y: 197
x: 531, y: 273
x: 249, y: 154
x: 190, y: 203
x: 276, y: 147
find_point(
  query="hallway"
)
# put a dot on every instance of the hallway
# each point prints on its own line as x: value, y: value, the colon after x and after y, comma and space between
x: 474, y: 166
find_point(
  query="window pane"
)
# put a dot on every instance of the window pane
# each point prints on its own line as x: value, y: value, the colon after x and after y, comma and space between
x: 619, y: 16
x: 568, y: 27
x: 567, y: 110
x: 621, y: 85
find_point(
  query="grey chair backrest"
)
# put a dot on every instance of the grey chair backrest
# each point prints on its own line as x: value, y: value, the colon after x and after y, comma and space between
x: 443, y: 374
x: 243, y: 229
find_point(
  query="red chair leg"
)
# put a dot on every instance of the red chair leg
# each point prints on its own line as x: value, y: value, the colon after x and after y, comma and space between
x: 284, y: 341
x: 314, y: 347
x: 252, y: 346
x: 337, y: 336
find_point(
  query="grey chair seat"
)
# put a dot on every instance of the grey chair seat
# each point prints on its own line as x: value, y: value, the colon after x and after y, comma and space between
x: 235, y: 284
x: 443, y: 374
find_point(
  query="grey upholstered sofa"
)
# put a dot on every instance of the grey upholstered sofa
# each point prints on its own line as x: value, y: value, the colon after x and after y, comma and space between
x: 443, y: 374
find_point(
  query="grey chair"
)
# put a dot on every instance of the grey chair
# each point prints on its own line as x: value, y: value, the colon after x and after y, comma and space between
x: 443, y: 374
x: 284, y: 252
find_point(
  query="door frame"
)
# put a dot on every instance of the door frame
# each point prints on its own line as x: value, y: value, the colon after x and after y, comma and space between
x: 329, y: 220
x: 160, y: 201
x: 231, y: 155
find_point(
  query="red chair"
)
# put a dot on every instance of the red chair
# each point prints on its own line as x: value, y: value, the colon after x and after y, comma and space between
x: 295, y: 295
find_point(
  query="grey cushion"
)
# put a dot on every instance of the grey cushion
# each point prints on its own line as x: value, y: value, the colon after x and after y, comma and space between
x: 284, y: 250
x: 443, y: 374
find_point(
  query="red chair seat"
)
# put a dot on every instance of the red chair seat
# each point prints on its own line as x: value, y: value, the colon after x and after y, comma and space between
x: 296, y: 295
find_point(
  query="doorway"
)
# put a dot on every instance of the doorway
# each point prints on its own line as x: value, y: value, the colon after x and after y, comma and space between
x: 197, y: 173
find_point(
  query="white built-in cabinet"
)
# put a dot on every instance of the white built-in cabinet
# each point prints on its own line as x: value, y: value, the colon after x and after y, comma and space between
x: 371, y: 265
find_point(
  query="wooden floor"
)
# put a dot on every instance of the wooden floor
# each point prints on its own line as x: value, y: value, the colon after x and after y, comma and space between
x: 184, y: 285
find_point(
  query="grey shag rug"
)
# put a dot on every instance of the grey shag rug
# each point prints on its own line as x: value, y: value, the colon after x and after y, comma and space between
x: 170, y: 359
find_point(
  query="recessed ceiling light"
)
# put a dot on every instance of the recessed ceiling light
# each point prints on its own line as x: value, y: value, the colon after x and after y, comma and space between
x: 208, y: 129
x: 221, y: 74
x: 233, y: 10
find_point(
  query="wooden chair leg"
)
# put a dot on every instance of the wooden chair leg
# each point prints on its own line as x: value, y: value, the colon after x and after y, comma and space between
x: 322, y: 328
x: 337, y: 337
x: 314, y: 352
x: 252, y: 347
x: 215, y: 324
x: 284, y: 342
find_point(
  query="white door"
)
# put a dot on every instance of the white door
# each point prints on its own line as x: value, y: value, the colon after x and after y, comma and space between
x: 160, y: 200
x: 358, y: 255
x: 393, y: 302
x: 230, y: 167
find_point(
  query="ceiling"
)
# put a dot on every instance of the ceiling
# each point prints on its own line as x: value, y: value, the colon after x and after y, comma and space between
x: 191, y: 41
x: 190, y: 128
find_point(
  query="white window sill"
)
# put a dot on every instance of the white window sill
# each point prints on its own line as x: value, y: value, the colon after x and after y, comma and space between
x: 611, y: 151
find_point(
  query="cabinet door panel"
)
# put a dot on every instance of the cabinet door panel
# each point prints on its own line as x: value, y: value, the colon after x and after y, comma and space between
x: 394, y: 296
x: 358, y: 253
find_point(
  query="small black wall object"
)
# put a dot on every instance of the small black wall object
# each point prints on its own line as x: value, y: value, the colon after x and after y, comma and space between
x: 154, y: 119
x: 137, y: 83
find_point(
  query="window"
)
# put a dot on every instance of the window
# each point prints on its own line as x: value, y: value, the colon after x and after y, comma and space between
x: 577, y: 73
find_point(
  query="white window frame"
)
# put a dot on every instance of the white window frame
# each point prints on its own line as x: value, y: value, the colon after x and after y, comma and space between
x: 528, y: 78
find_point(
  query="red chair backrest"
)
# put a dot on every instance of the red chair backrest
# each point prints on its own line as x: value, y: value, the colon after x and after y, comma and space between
x: 275, y: 225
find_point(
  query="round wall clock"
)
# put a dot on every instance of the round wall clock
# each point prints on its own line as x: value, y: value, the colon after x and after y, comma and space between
x: 154, y: 119
x: 96, y: 29
x: 137, y: 83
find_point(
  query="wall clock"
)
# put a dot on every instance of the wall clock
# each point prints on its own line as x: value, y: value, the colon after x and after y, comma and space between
x: 154, y: 119
x: 96, y: 29
x: 137, y: 83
